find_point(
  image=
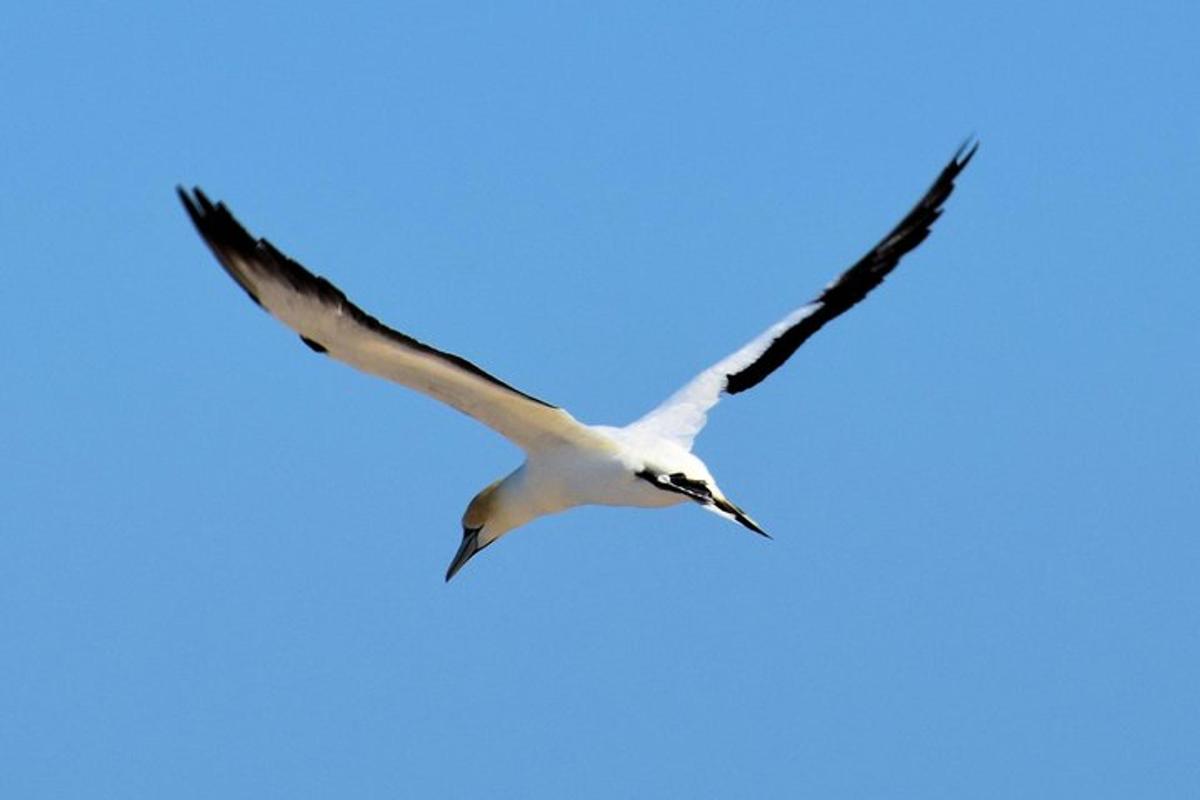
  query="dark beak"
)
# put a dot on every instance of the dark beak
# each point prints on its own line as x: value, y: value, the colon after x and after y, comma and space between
x: 468, y: 548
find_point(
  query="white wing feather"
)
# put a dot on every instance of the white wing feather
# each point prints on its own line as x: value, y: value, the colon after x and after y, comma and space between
x: 683, y: 415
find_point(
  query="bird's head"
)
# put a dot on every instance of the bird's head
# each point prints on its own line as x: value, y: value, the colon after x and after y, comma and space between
x: 482, y: 507
x: 483, y: 523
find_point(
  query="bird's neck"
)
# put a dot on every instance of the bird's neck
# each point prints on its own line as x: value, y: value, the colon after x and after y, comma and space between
x: 522, y: 497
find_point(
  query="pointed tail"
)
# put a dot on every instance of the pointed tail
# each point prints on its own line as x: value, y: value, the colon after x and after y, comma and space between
x: 726, y: 508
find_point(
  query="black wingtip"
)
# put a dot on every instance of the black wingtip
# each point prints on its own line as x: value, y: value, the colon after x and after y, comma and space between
x: 193, y: 199
x: 221, y: 232
x: 966, y: 151
x: 188, y: 204
x: 868, y: 272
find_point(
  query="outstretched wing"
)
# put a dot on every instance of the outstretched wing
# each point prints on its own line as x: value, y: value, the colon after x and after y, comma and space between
x: 329, y: 323
x: 683, y: 415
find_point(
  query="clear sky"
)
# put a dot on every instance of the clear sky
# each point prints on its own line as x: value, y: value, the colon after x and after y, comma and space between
x: 221, y: 556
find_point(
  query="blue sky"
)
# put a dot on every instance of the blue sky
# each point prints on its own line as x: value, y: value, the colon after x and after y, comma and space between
x: 221, y: 557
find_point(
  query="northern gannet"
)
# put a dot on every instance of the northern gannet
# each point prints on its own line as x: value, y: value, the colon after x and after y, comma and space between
x: 647, y: 464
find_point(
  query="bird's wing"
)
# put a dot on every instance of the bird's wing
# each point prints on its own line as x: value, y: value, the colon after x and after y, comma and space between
x: 683, y: 414
x: 329, y: 323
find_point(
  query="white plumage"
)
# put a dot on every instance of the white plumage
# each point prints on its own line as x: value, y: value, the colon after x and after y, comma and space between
x: 648, y: 463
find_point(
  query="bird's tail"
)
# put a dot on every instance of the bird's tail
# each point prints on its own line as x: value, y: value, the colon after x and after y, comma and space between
x: 727, y: 509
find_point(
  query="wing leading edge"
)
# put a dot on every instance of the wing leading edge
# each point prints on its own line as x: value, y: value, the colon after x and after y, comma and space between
x: 329, y: 323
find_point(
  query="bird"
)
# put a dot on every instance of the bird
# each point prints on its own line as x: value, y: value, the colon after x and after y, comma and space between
x: 648, y: 463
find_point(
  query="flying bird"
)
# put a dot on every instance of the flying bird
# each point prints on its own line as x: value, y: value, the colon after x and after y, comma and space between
x: 647, y: 464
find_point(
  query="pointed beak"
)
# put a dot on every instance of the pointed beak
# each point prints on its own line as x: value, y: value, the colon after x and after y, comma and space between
x: 469, y: 547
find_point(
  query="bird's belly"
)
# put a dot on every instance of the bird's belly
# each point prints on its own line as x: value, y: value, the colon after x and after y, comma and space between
x: 607, y: 481
x: 627, y: 490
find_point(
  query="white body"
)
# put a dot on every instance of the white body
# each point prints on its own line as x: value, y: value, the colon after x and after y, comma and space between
x: 604, y: 473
